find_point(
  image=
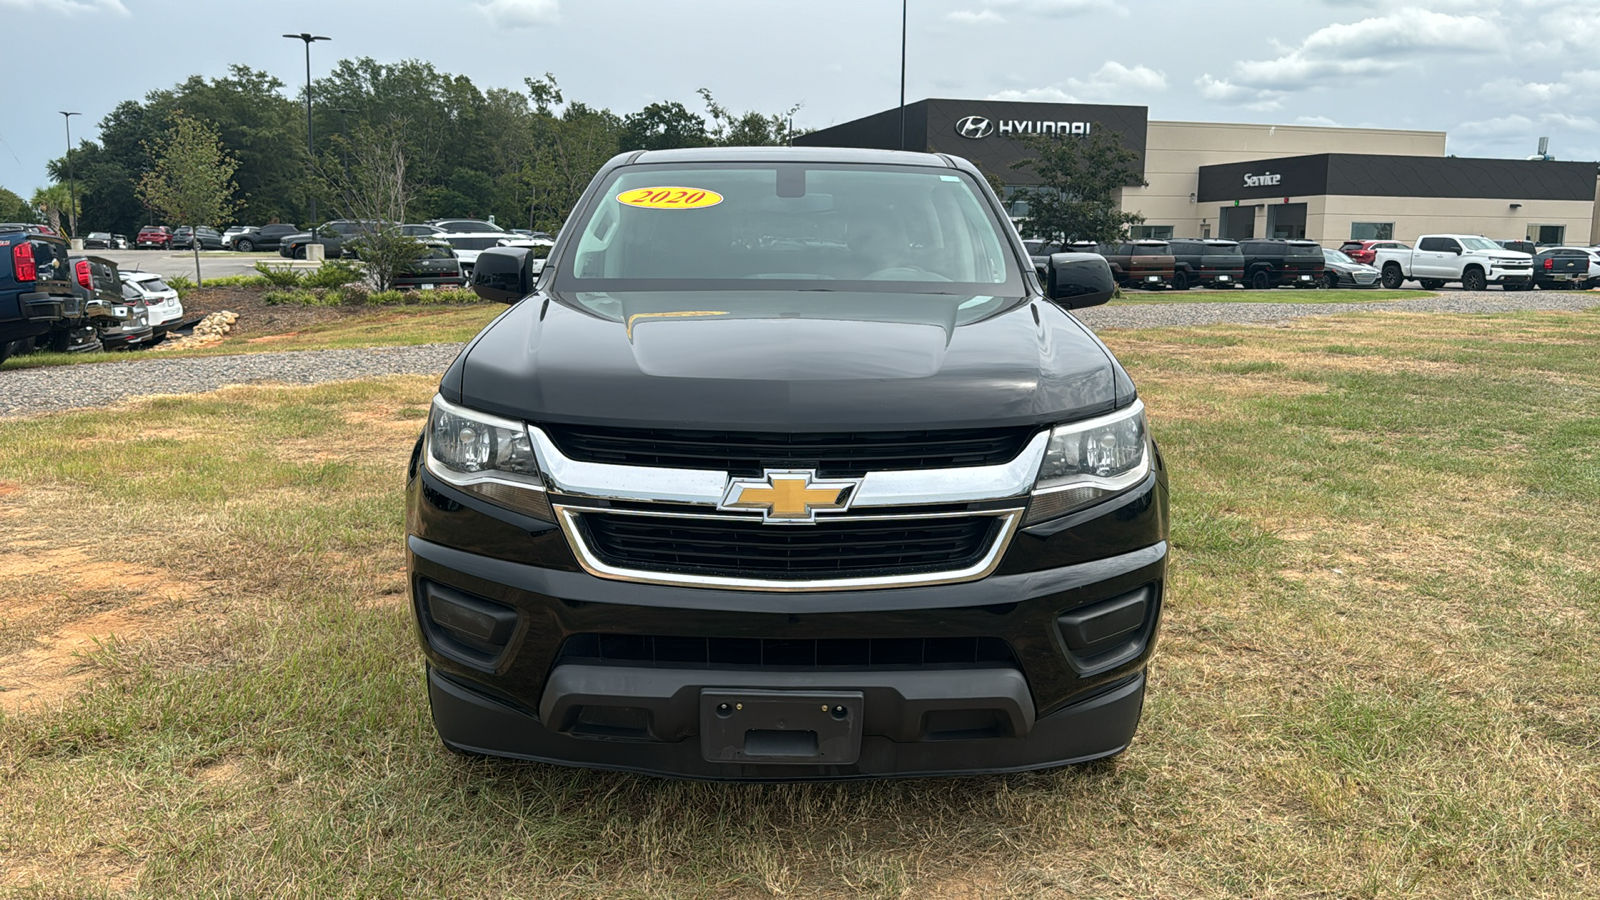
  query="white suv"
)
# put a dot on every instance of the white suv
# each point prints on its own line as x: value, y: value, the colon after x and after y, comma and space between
x: 165, y: 308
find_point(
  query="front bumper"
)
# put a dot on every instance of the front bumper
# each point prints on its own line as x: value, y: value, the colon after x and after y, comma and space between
x: 1514, y: 276
x: 1039, y: 703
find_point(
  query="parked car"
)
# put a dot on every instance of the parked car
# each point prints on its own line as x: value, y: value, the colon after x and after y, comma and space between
x: 1211, y: 262
x: 1277, y: 262
x: 437, y: 267
x: 153, y: 237
x: 119, y: 242
x: 266, y: 237
x: 1339, y: 270
x: 99, y: 240
x: 912, y: 526
x: 232, y: 232
x: 1365, y: 251
x: 1565, y: 268
x: 1472, y: 260
x: 163, y: 303
x: 331, y: 235
x: 421, y: 231
x: 467, y: 245
x: 209, y: 238
x: 466, y: 226
x: 35, y: 286
x: 1144, y: 264
x: 131, y: 328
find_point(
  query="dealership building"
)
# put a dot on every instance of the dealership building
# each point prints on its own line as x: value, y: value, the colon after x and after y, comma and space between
x: 1238, y: 181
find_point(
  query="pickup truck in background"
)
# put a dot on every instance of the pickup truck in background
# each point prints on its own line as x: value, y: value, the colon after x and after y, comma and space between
x: 1565, y: 268
x: 1473, y: 261
x: 1205, y: 261
x: 1143, y: 264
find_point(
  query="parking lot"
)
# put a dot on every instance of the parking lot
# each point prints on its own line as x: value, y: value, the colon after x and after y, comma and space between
x: 213, y: 263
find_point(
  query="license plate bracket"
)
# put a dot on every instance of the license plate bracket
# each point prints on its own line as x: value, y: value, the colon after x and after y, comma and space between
x: 781, y: 727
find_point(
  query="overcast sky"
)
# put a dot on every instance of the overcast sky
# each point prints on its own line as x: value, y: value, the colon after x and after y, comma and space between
x: 1495, y: 74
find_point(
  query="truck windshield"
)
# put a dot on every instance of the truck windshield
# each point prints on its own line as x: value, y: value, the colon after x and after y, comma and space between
x: 790, y: 226
x: 1478, y: 243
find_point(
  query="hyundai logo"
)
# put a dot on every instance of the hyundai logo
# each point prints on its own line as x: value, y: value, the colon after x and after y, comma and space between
x: 974, y: 127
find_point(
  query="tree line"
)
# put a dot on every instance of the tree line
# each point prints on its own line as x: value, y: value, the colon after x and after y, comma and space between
x: 523, y: 157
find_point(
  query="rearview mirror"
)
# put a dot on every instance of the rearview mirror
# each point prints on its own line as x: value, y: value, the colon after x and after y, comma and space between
x: 503, y: 274
x: 1077, y: 280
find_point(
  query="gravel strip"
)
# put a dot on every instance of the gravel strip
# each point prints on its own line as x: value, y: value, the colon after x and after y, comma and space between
x: 26, y: 392
x: 1157, y: 315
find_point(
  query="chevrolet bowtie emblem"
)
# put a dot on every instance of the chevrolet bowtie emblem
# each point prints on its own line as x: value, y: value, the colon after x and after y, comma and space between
x: 790, y: 496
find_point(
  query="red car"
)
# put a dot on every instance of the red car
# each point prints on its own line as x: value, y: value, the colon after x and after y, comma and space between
x: 155, y: 236
x: 1365, y: 252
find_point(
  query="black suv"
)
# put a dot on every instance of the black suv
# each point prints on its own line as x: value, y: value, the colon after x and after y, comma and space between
x: 267, y: 237
x: 789, y: 466
x: 1206, y: 261
x: 1276, y: 262
x: 333, y: 236
x: 35, y: 287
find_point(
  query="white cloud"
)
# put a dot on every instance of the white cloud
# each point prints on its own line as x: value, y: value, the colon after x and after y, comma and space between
x: 514, y: 14
x: 69, y: 7
x: 1376, y: 46
x: 989, y: 13
x: 979, y: 17
x: 1113, y: 81
x: 1502, y: 126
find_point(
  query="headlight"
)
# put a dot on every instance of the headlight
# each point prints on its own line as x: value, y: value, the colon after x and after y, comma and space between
x: 486, y: 456
x: 1091, y: 460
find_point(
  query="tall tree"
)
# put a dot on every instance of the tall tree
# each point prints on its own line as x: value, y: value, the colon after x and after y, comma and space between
x: 662, y: 126
x: 751, y: 129
x: 192, y: 179
x: 1082, y: 177
x: 13, y: 208
x: 366, y: 173
x: 53, y: 202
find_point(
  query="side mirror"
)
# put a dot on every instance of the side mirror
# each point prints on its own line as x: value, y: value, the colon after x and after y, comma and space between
x: 503, y: 274
x: 1080, y: 279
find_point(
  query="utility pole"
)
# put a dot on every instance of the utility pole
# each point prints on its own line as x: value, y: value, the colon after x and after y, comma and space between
x: 311, y: 150
x: 902, y: 74
x: 72, y: 182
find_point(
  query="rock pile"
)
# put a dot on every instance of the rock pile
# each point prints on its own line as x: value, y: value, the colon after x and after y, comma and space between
x: 210, y: 330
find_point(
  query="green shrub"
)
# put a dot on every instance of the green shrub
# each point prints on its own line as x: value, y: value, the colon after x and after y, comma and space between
x: 280, y: 275
x: 179, y: 283
x: 387, y: 298
x: 248, y: 281
x: 335, y: 273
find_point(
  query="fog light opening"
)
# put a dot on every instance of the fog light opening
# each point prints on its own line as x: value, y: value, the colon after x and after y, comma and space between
x: 480, y: 629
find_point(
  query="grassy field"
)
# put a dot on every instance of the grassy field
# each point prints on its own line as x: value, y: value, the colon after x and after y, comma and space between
x: 379, y: 328
x: 1379, y: 674
x: 1286, y: 295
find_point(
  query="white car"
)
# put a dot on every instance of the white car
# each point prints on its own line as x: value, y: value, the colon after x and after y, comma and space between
x: 539, y: 246
x: 467, y: 245
x: 162, y: 301
x: 233, y: 232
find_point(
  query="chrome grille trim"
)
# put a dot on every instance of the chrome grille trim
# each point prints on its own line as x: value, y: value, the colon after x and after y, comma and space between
x: 567, y: 518
x: 696, y: 487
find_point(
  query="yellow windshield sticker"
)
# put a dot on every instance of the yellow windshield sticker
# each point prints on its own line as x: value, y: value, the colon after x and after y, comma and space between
x: 670, y: 198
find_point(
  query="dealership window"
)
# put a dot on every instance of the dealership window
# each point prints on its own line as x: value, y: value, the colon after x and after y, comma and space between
x: 1151, y: 232
x: 1371, y: 231
x: 1547, y: 234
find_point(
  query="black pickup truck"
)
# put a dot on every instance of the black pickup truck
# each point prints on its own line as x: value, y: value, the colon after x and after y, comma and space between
x: 1276, y: 262
x: 1206, y: 261
x: 787, y: 466
x: 35, y: 287
x: 1563, y: 268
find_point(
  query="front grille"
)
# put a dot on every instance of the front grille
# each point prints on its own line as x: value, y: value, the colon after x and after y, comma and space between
x: 855, y: 653
x: 833, y: 454
x: 838, y: 548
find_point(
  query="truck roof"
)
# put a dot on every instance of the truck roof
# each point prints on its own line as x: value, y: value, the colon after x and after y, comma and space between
x: 793, y: 154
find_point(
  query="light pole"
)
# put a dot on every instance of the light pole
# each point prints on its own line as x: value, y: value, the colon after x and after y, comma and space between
x: 310, y: 148
x: 902, y: 74
x: 72, y: 182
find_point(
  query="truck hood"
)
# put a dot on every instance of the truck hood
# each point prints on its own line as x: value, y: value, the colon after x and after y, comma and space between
x: 787, y: 361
